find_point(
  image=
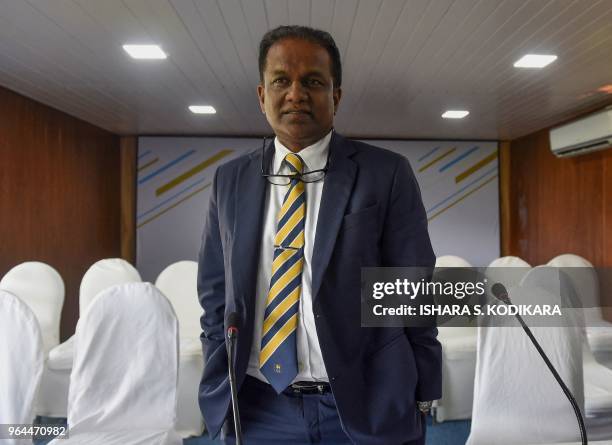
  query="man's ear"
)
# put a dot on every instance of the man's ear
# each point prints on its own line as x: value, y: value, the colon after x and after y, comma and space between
x: 337, y: 94
x: 261, y: 95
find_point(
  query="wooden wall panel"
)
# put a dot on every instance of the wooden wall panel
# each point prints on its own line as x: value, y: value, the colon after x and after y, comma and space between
x: 129, y: 154
x: 556, y: 205
x: 505, y: 213
x: 59, y: 193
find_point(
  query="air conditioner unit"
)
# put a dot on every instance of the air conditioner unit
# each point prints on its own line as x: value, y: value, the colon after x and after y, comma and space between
x: 585, y: 135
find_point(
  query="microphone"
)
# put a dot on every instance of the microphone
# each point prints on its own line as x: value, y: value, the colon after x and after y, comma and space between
x: 499, y: 291
x: 233, y: 323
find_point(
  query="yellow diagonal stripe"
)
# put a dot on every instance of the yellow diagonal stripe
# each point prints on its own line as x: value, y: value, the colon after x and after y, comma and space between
x: 297, y: 216
x: 461, y: 199
x: 281, y: 258
x: 278, y: 338
x: 280, y: 310
x: 439, y: 158
x: 474, y: 168
x: 191, y: 172
x: 298, y: 241
x: 295, y: 161
x: 284, y: 279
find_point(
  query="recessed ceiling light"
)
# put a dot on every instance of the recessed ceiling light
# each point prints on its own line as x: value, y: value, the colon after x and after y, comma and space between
x: 145, y: 51
x: 455, y: 114
x: 202, y: 109
x: 535, y: 61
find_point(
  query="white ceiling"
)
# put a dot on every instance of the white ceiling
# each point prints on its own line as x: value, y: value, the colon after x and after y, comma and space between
x: 405, y: 62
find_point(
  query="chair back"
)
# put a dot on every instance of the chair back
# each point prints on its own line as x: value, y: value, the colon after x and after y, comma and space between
x: 21, y: 360
x: 41, y: 287
x: 178, y: 282
x: 512, y: 381
x: 102, y: 275
x: 125, y: 370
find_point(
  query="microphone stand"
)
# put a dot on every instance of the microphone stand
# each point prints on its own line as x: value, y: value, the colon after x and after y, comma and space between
x: 500, y: 292
x: 232, y: 334
x: 566, y: 391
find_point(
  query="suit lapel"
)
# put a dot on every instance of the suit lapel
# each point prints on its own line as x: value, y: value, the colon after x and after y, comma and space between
x: 250, y: 201
x: 336, y: 193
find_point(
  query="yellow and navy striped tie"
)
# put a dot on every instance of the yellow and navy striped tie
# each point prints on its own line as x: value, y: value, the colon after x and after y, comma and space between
x: 278, y: 355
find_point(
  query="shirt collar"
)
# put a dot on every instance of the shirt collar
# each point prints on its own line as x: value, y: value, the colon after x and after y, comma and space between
x: 314, y: 156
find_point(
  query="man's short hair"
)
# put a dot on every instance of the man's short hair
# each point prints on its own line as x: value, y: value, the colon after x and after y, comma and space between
x: 316, y: 36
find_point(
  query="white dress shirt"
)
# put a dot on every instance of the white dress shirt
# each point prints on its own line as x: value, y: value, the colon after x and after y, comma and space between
x: 310, y: 360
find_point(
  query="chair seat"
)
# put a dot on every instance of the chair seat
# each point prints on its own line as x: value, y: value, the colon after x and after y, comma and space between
x: 60, y: 357
x: 597, y: 388
x: 597, y: 400
x: 600, y: 338
x: 190, y: 346
x: 458, y: 343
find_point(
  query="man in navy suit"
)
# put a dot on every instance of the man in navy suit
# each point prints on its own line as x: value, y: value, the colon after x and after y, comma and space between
x: 288, y: 229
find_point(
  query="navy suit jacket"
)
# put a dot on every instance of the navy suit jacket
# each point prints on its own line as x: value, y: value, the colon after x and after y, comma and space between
x: 371, y: 214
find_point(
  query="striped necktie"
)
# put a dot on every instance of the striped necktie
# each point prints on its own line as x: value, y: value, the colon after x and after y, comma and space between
x: 278, y: 354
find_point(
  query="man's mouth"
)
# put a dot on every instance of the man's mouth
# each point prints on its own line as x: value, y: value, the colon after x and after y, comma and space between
x: 297, y: 112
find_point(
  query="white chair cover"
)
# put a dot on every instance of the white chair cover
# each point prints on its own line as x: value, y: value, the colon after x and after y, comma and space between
x: 598, y: 330
x: 21, y: 362
x: 459, y: 361
x: 451, y: 261
x: 509, y: 261
x: 178, y: 282
x: 53, y: 396
x: 123, y: 382
x: 597, y: 397
x: 41, y: 287
x: 102, y: 275
x: 507, y: 270
x: 516, y: 398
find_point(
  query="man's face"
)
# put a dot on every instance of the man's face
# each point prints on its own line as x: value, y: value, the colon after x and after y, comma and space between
x: 297, y: 95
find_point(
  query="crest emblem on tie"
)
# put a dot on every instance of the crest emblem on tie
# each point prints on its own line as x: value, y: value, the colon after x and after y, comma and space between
x: 277, y: 368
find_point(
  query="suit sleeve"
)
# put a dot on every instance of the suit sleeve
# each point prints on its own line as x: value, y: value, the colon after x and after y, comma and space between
x: 211, y: 293
x: 405, y: 242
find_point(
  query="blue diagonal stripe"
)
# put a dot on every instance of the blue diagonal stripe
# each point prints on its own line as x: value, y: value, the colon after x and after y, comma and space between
x: 458, y: 158
x: 165, y: 201
x: 426, y: 155
x: 165, y: 167
x: 462, y: 189
x: 143, y: 154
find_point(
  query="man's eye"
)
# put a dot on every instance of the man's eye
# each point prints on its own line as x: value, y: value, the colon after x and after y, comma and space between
x: 315, y: 82
x: 279, y: 81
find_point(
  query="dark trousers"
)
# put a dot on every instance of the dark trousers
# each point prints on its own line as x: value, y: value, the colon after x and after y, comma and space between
x: 289, y: 419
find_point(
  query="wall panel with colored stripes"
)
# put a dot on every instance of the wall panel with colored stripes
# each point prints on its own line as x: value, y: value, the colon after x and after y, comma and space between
x: 458, y: 180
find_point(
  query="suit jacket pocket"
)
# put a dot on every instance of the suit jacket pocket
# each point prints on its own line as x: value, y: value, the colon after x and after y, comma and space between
x: 368, y: 215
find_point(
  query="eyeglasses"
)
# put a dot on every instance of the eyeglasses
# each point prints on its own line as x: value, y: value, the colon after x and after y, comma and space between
x: 309, y: 176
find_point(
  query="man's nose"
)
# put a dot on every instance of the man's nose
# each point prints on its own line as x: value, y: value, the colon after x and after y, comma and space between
x: 296, y: 92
